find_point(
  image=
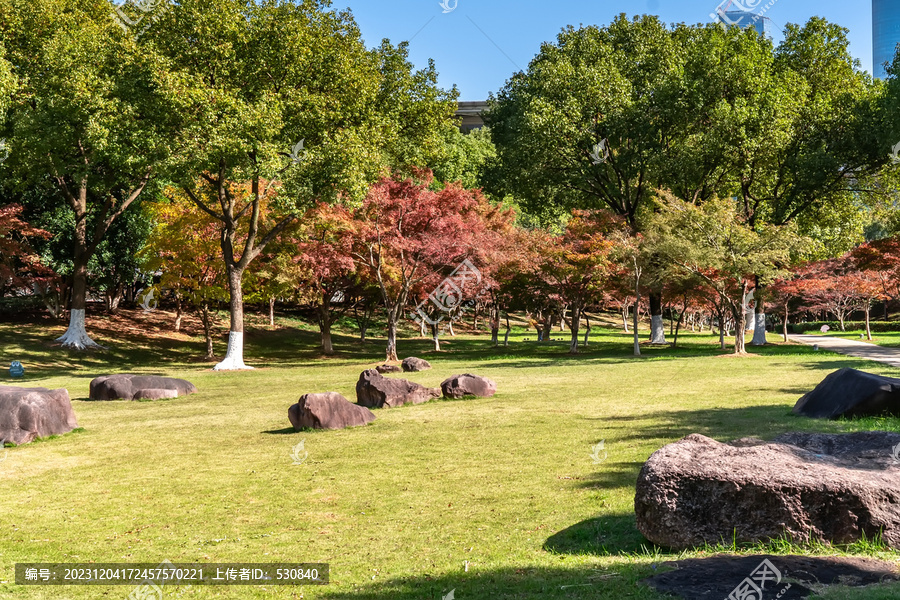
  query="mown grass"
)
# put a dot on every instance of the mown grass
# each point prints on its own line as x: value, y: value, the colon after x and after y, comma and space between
x: 505, y: 486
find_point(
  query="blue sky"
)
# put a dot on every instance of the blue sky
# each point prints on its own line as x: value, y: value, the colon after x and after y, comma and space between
x: 480, y: 43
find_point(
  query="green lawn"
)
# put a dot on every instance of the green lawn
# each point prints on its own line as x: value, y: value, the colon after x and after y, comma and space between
x: 505, y: 485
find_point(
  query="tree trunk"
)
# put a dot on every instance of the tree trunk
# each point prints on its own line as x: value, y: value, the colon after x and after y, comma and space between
x: 721, y: 329
x: 759, y: 323
x: 576, y: 318
x: 548, y: 327
x: 207, y: 332
x: 671, y: 321
x: 506, y: 336
x: 637, y: 304
x: 740, y: 324
x: 325, y: 323
x: 587, y: 329
x: 868, y: 308
x: 562, y: 317
x: 272, y: 312
x: 678, y: 325
x: 179, y: 311
x: 435, y: 332
x: 76, y: 336
x: 625, y: 317
x: 840, y: 316
x: 391, y: 351
x: 450, y: 328
x: 234, y: 357
x: 657, y: 326
x: 786, y: 317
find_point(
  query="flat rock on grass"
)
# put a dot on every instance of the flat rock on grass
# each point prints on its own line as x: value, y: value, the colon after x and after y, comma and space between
x: 327, y: 411
x: 716, y: 577
x: 139, y: 387
x: 413, y: 364
x: 459, y: 386
x: 810, y: 487
x: 30, y: 413
x: 387, y: 369
x: 851, y: 393
x: 374, y: 390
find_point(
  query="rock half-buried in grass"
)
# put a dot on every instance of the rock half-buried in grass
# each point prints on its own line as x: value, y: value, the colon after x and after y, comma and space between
x: 377, y: 391
x: 766, y: 576
x: 29, y: 413
x: 139, y: 387
x: 459, y: 386
x: 327, y: 411
x: 413, y: 364
x: 837, y: 488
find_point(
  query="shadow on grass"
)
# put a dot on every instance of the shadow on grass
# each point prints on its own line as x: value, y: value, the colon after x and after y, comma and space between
x: 285, y: 431
x: 512, y: 583
x: 606, y: 535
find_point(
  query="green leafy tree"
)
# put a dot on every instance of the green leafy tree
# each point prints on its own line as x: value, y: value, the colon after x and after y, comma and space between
x: 289, y: 109
x: 107, y: 101
x: 714, y: 243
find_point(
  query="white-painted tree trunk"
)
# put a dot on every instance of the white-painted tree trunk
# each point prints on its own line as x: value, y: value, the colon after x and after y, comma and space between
x: 759, y: 330
x: 657, y: 330
x: 76, y: 335
x: 234, y: 358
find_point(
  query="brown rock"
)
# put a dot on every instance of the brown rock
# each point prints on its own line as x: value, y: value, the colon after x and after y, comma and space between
x: 468, y: 385
x: 413, y: 364
x: 327, y: 411
x: 387, y: 369
x: 29, y: 413
x: 377, y: 391
x: 824, y: 487
x: 717, y: 576
x: 851, y: 393
x: 136, y: 387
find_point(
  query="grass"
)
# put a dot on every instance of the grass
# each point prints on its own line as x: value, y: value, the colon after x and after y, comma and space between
x: 505, y: 485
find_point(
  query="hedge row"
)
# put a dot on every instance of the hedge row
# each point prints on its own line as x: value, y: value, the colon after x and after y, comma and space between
x: 816, y: 326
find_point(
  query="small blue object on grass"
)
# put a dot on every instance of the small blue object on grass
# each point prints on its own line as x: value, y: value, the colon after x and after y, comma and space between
x: 16, y: 369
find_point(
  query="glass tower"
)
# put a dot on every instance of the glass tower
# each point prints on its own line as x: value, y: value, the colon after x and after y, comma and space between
x: 885, y: 34
x: 744, y: 19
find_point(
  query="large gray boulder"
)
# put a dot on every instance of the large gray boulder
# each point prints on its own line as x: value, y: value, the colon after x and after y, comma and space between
x: 413, y: 364
x: 29, y: 413
x: 139, y: 387
x: 327, y: 411
x: 459, y: 386
x: 374, y: 390
x: 809, y: 486
x: 851, y: 393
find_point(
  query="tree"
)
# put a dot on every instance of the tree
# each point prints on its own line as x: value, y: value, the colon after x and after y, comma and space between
x: 577, y: 264
x: 714, y: 243
x: 326, y: 259
x: 277, y: 76
x: 183, y: 247
x: 107, y: 100
x: 574, y: 130
x: 20, y: 266
x: 881, y: 258
x: 407, y: 232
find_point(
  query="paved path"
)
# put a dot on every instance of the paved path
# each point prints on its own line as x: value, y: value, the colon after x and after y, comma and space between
x: 860, y: 349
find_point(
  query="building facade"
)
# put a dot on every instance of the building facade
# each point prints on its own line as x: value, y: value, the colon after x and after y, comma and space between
x: 885, y: 34
x: 471, y: 112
